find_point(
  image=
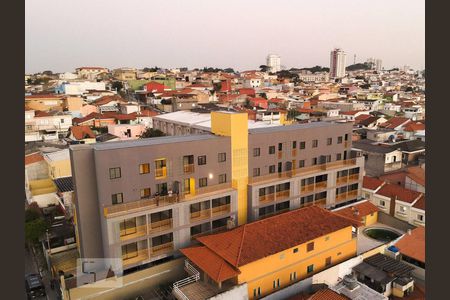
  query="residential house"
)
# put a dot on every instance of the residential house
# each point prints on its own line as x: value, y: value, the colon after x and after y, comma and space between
x: 379, y: 158
x: 44, y: 102
x: 109, y: 103
x: 258, y: 102
x: 58, y: 163
x: 381, y: 134
x: 308, y: 240
x: 363, y: 211
x: 44, y: 126
x: 125, y: 74
x: 126, y: 131
x: 90, y: 72
x: 415, y: 179
x: 395, y: 123
x: 352, y: 114
x: 411, y: 247
x: 370, y: 186
x: 79, y: 87
x: 82, y: 134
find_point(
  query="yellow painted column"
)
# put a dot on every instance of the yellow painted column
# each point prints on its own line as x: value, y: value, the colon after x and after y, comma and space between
x: 235, y: 125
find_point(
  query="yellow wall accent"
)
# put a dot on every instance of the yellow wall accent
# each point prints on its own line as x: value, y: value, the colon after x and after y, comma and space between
x: 235, y: 125
x: 263, y: 272
x: 370, y: 220
x: 192, y: 186
x: 42, y: 186
x: 60, y: 168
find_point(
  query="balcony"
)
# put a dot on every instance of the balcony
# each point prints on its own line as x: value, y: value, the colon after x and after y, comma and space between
x: 342, y: 180
x: 188, y: 168
x: 131, y: 233
x: 303, y: 171
x: 161, y: 173
x: 346, y: 196
x: 321, y: 201
x: 126, y: 208
x: 280, y: 154
x: 280, y: 195
x: 267, y: 198
x: 307, y: 188
x: 134, y: 257
x: 201, y: 215
x: 206, y: 190
x: 162, y: 249
x: 353, y: 178
x: 160, y: 225
x: 321, y: 185
x: 221, y: 210
x: 294, y: 152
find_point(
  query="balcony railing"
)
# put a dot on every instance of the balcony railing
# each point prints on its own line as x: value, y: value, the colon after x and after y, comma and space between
x: 124, y: 208
x: 134, y: 232
x: 302, y: 171
x: 267, y: 198
x: 346, y: 196
x: 188, y: 168
x: 201, y: 214
x: 161, y: 249
x: 161, y: 173
x: 342, y: 180
x: 321, y: 185
x: 282, y: 194
x: 221, y: 210
x: 353, y: 177
x: 134, y: 257
x: 160, y: 225
x: 321, y: 201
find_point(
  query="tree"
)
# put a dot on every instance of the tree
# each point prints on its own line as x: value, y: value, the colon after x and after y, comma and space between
x: 117, y: 85
x: 229, y: 70
x: 263, y: 68
x: 217, y: 86
x: 154, y: 69
x: 47, y: 73
x: 150, y: 133
x: 35, y: 229
x: 33, y: 212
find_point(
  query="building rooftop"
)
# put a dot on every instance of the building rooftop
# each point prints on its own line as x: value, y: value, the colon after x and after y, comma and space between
x: 281, y: 128
x: 33, y: 158
x: 57, y: 155
x: 64, y: 184
x: 413, y: 245
x: 256, y: 240
x: 398, y: 192
x: 372, y: 183
x: 357, y: 211
x: 361, y: 292
x: 389, y: 265
x: 374, y: 147
x: 149, y: 142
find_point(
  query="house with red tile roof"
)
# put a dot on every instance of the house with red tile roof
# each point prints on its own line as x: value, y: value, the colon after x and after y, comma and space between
x: 259, y: 102
x: 352, y: 114
x: 81, y: 133
x: 247, y: 91
x: 396, y: 123
x: 412, y: 249
x: 272, y: 253
x: 364, y: 211
x: 155, y: 87
x: 109, y: 103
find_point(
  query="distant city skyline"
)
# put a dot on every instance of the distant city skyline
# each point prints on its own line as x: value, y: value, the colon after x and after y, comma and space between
x: 63, y: 35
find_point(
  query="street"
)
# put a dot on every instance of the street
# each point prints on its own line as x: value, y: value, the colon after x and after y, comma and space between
x: 32, y: 266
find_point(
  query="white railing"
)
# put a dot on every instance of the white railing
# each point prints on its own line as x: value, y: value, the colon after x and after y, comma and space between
x: 183, y: 282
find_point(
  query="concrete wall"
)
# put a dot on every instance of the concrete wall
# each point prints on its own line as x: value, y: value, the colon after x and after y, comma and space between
x: 238, y: 292
x: 389, y: 220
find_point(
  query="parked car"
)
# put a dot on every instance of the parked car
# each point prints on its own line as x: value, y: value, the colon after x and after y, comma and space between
x: 34, y: 286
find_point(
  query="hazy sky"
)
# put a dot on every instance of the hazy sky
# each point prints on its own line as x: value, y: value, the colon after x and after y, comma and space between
x: 61, y: 35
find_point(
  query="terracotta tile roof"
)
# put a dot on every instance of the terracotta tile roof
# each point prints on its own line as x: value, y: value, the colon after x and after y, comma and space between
x: 147, y: 113
x: 417, y: 174
x: 414, y: 126
x: 82, y: 132
x: 367, y: 121
x: 394, y: 122
x: 420, y: 204
x: 227, y: 98
x: 33, y: 158
x: 277, y: 100
x: 363, y: 209
x: 327, y: 294
x: 155, y: 86
x: 305, y: 110
x: 372, y: 183
x: 413, y: 245
x: 402, y: 194
x: 350, y: 112
x: 247, y: 91
x: 253, y: 241
x: 41, y: 114
x: 362, y: 117
x: 211, y: 263
x: 106, y: 99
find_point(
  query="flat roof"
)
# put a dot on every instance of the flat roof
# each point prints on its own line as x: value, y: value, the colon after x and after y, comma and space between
x: 151, y: 141
x: 280, y: 128
x: 57, y: 155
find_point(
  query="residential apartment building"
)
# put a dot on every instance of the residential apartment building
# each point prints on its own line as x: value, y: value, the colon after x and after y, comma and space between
x: 152, y: 196
x: 337, y: 63
x: 273, y: 61
x: 42, y: 126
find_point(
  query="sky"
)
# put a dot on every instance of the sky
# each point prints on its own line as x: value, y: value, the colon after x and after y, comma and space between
x: 61, y: 35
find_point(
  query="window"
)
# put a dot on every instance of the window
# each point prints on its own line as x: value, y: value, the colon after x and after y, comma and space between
x: 310, y: 247
x: 293, y: 276
x: 256, y: 172
x: 338, y: 156
x: 202, y: 160
x: 117, y: 198
x: 129, y: 250
x: 222, y: 178
x: 114, y: 173
x: 257, y: 292
x: 301, y: 163
x: 295, y: 250
x: 280, y: 146
x: 314, y: 161
x: 276, y: 283
x: 339, y: 140
x: 310, y: 269
x: 302, y: 145
x: 402, y: 208
x: 271, y: 149
x: 382, y: 203
x: 329, y: 141
x: 222, y: 157
x: 145, y: 193
x: 202, y: 182
x: 62, y: 121
x: 346, y: 137
x: 144, y: 168
x: 328, y: 261
x: 294, y: 144
x: 271, y: 169
x: 256, y: 152
x: 128, y: 226
x: 315, y: 143
x: 328, y: 158
x: 420, y: 217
